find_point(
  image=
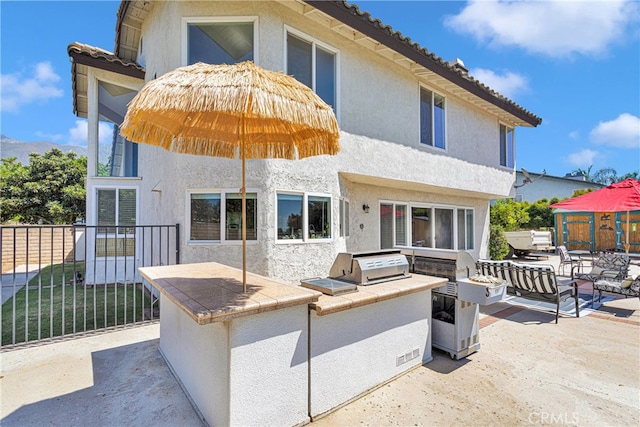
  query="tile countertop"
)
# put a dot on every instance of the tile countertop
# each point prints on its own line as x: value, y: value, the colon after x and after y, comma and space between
x: 211, y: 292
x: 371, y: 294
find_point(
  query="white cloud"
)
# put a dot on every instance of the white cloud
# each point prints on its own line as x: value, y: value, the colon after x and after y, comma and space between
x: 17, y: 90
x: 583, y: 158
x: 553, y: 28
x: 49, y: 136
x: 79, y: 133
x: 622, y: 132
x: 508, y: 84
x: 574, y: 134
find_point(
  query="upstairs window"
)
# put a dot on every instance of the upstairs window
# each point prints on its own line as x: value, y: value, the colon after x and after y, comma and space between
x: 116, y: 156
x: 507, y: 147
x: 432, y: 119
x: 220, y: 41
x: 313, y: 65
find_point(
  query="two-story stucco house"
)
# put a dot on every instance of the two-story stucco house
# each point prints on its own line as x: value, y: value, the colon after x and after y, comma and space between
x: 424, y: 146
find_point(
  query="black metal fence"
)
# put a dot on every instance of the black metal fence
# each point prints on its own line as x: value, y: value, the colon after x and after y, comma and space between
x: 72, y: 279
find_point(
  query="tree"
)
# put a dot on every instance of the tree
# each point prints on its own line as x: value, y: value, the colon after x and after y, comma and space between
x: 540, y: 215
x: 508, y: 214
x: 605, y: 176
x: 49, y: 190
x: 498, y: 245
x: 586, y: 173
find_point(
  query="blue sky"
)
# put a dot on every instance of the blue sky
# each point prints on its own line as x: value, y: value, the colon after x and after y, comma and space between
x: 576, y: 64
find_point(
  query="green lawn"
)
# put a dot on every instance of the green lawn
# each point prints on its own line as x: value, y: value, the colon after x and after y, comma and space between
x: 67, y: 309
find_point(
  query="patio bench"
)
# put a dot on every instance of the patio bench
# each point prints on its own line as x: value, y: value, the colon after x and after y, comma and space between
x: 534, y: 282
x: 499, y: 269
x: 628, y: 287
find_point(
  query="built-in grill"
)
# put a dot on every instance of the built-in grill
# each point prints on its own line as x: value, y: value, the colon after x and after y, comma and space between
x: 454, y: 321
x: 350, y: 270
x: 450, y: 265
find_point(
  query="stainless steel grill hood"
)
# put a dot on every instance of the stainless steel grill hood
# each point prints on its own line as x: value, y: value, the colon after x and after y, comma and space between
x: 453, y: 265
x: 368, y: 268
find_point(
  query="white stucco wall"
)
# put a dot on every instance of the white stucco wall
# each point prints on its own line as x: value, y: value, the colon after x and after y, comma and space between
x: 381, y: 158
x: 355, y: 350
x: 247, y: 371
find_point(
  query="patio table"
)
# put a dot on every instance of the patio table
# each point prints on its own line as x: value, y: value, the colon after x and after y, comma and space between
x: 582, y: 255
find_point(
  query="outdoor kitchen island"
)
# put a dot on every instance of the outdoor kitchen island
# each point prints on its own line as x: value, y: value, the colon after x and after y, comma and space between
x: 281, y: 354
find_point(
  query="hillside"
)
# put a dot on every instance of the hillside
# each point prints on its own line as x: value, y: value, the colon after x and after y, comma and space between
x: 19, y: 149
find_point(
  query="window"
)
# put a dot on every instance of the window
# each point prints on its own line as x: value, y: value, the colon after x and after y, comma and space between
x: 233, y: 216
x: 507, y: 147
x: 220, y: 41
x: 421, y: 227
x: 443, y: 236
x: 432, y: 119
x: 431, y: 227
x: 116, y: 156
x: 208, y: 211
x: 116, y: 220
x: 465, y: 229
x: 393, y: 225
x: 344, y: 217
x: 319, y: 217
x: 313, y: 65
x: 303, y: 217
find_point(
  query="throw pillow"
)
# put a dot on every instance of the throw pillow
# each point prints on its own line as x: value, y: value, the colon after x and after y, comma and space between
x: 596, y: 271
x: 626, y: 283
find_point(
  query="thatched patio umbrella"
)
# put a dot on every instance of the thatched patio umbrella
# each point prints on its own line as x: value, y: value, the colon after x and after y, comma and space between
x: 232, y: 111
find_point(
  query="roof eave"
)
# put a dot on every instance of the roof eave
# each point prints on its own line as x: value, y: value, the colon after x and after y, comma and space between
x: 339, y: 10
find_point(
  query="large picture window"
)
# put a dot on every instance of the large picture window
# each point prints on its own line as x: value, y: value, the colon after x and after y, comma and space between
x: 219, y: 41
x: 313, y: 65
x: 209, y: 211
x: 432, y: 119
x: 303, y: 217
x: 430, y: 226
x: 507, y: 147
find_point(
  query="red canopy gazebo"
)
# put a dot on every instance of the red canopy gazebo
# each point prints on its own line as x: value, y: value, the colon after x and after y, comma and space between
x: 623, y: 196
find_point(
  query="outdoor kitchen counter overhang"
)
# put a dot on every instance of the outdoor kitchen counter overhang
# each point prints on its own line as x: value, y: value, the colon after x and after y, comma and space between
x: 211, y: 292
x: 371, y: 294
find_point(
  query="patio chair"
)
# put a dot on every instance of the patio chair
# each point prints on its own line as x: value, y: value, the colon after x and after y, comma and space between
x: 607, y: 266
x: 565, y: 259
x: 628, y: 287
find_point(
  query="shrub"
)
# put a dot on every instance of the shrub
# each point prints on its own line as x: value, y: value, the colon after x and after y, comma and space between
x: 498, y: 245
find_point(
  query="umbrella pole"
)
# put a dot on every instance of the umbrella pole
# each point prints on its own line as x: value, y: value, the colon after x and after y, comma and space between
x: 627, y: 242
x: 243, y: 191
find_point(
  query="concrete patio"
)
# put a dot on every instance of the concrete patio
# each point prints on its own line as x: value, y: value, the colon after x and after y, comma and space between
x: 581, y: 371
